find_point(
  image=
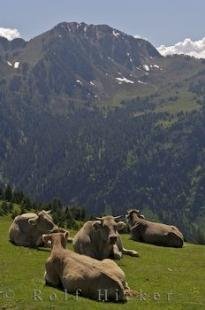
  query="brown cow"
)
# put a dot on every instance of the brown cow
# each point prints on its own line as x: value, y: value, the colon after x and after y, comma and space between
x: 79, y: 274
x: 100, y: 239
x: 151, y: 232
x: 27, y: 228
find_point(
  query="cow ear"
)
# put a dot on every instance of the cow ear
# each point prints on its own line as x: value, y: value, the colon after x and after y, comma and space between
x: 66, y: 235
x: 32, y: 221
x: 45, y: 211
x: 40, y: 213
x: 97, y: 224
x: 46, y: 240
x: 121, y: 225
x: 142, y: 216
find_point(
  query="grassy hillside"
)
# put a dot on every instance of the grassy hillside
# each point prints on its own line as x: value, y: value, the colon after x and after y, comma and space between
x: 158, y: 272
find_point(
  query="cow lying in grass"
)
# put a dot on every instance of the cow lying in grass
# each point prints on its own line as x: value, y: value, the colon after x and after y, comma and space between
x: 100, y: 239
x: 27, y: 228
x: 151, y: 232
x: 79, y: 274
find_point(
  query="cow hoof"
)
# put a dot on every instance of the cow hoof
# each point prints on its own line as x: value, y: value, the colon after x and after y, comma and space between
x: 135, y: 254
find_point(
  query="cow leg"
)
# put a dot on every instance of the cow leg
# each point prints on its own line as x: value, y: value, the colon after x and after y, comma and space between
x: 125, y: 251
x: 116, y: 252
x: 51, y: 280
x: 130, y: 252
x: 39, y: 242
x: 50, y: 277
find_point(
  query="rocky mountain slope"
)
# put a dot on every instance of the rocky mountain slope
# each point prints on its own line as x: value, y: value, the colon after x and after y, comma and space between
x: 98, y: 118
x: 79, y: 62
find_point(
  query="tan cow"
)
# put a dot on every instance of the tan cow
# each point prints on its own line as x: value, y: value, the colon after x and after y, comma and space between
x: 83, y: 275
x: 151, y: 232
x: 27, y: 228
x: 123, y: 228
x: 100, y: 239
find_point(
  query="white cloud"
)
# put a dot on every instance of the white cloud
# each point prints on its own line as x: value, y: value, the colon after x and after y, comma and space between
x: 186, y: 47
x: 9, y: 33
x: 138, y: 36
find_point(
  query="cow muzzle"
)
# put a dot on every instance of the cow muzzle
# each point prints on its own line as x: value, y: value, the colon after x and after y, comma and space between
x: 113, y: 239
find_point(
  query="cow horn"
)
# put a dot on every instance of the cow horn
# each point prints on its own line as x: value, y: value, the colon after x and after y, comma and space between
x: 117, y: 217
x: 32, y: 221
x: 48, y: 212
x: 99, y: 218
x: 133, y: 211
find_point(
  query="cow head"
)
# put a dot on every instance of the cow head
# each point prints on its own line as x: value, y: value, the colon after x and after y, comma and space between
x: 133, y: 213
x: 108, y: 226
x: 57, y: 238
x: 123, y: 227
x: 43, y: 222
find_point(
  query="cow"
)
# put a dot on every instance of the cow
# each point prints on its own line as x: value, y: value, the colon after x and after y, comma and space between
x: 100, y: 239
x: 27, y: 229
x: 151, y: 232
x: 123, y: 227
x: 83, y: 275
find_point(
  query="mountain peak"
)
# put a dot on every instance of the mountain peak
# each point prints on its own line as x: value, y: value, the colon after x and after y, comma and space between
x: 70, y: 26
x: 82, y: 27
x: 84, y: 62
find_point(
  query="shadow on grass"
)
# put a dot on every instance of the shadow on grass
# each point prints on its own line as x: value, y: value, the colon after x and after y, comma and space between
x: 77, y: 295
x: 30, y: 248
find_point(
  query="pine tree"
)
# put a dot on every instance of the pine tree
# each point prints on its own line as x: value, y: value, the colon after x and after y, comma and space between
x: 8, y: 194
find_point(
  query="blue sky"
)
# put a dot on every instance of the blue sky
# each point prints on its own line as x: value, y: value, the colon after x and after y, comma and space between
x: 160, y: 21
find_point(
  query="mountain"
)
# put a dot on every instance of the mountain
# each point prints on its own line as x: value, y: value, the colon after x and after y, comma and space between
x: 75, y: 64
x: 100, y: 119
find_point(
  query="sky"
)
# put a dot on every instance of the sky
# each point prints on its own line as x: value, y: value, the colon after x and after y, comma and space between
x: 162, y: 22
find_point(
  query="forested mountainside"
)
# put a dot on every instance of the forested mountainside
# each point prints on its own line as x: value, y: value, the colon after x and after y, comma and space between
x: 101, y: 120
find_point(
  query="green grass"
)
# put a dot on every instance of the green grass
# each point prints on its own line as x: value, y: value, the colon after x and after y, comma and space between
x: 129, y: 92
x: 158, y: 272
x: 185, y: 102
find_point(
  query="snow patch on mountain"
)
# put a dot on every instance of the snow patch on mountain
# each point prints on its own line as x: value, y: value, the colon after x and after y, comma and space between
x: 124, y: 80
x: 141, y: 82
x: 79, y: 82
x: 115, y: 33
x: 146, y: 67
x: 16, y: 65
x: 9, y: 64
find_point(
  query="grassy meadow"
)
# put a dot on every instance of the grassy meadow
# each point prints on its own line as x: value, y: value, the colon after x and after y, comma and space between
x: 164, y: 278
